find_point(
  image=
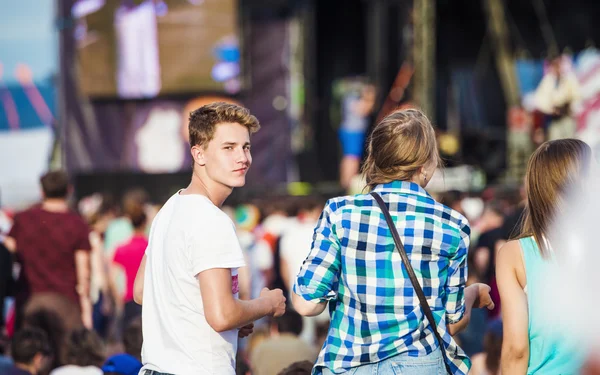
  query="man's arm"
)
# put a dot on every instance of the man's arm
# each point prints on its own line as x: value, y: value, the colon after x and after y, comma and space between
x: 114, y: 271
x: 11, y: 244
x: 83, y: 270
x: 223, y: 312
x: 138, y: 284
x: 515, y: 316
x: 10, y: 240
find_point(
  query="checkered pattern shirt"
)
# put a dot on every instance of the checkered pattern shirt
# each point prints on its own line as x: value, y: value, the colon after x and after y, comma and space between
x: 353, y: 263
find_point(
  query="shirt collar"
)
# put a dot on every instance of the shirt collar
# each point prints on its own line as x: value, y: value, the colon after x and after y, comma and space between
x: 402, y: 187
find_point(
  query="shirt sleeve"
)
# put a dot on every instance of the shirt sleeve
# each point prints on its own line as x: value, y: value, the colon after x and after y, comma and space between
x: 150, y: 236
x: 215, y: 245
x: 318, y: 277
x: 457, y: 279
x: 16, y: 227
x: 83, y: 237
x: 118, y: 256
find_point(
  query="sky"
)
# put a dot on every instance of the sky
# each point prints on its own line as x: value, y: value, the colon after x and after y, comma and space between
x: 27, y: 35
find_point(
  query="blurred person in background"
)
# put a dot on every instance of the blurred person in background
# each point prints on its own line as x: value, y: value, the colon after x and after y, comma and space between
x: 52, y: 246
x: 296, y: 240
x: 260, y: 334
x: 488, y: 362
x: 513, y: 200
x: 357, y: 106
x: 127, y: 259
x: 484, y: 254
x: 84, y: 354
x: 30, y: 352
x: 555, y: 97
x: 6, y: 269
x: 298, y: 368
x: 57, y: 316
x: 128, y: 363
x: 138, y: 63
x: 188, y: 279
x: 531, y: 343
x: 294, y: 248
x: 283, y: 347
x: 247, y: 217
x: 278, y: 213
x: 5, y: 360
x: 6, y: 284
x: 482, y: 258
x: 453, y: 199
x: 241, y: 366
x: 354, y: 266
x: 5, y: 222
x: 120, y: 230
x: 99, y: 211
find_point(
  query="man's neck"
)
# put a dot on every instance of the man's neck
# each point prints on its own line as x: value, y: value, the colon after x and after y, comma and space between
x: 55, y: 205
x: 202, y: 185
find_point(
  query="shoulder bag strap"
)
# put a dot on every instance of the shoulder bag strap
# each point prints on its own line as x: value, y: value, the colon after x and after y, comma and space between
x: 411, y: 274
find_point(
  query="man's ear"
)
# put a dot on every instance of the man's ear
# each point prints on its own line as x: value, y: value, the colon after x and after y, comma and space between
x: 199, y: 155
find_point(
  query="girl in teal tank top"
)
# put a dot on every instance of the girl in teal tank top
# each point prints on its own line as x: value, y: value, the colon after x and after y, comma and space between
x: 551, y: 351
x: 534, y: 340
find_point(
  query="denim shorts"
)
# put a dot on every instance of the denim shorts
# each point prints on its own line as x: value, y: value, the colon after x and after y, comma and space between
x: 401, y: 364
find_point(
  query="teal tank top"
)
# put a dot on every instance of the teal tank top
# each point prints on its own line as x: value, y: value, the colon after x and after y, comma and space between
x: 552, y: 350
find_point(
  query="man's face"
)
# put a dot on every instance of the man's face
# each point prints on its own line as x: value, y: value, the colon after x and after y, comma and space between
x: 227, y: 156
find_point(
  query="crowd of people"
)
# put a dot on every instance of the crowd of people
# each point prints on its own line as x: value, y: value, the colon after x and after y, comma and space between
x: 289, y: 285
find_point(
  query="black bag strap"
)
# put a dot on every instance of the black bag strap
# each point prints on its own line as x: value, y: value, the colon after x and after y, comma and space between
x: 411, y: 274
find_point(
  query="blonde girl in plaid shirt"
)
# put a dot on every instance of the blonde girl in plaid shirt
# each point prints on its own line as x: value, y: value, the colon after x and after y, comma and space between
x: 377, y: 324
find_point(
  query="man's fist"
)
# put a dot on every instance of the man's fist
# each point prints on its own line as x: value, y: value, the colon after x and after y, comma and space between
x: 483, y: 297
x: 276, y: 299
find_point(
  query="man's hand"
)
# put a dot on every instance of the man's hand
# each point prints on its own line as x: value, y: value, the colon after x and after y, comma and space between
x: 246, y: 330
x: 276, y: 299
x: 483, y: 297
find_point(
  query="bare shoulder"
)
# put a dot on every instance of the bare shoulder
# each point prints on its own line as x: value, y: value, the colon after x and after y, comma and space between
x: 510, y: 252
x: 510, y: 259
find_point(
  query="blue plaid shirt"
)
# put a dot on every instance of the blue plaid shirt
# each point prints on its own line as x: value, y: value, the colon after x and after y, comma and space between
x: 353, y: 263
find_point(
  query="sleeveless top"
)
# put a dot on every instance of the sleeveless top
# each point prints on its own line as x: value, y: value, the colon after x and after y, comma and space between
x: 552, y: 349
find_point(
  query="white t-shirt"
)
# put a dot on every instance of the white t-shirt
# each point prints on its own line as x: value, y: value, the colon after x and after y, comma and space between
x: 76, y: 370
x: 188, y: 235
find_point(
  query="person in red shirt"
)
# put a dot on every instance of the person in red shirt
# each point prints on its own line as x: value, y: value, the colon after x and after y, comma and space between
x: 126, y: 260
x: 52, y: 246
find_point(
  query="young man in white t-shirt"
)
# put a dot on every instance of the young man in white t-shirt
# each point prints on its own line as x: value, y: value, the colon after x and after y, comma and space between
x: 191, y: 314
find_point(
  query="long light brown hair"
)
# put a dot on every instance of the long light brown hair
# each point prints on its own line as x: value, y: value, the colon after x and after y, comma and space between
x: 555, y: 168
x: 399, y: 145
